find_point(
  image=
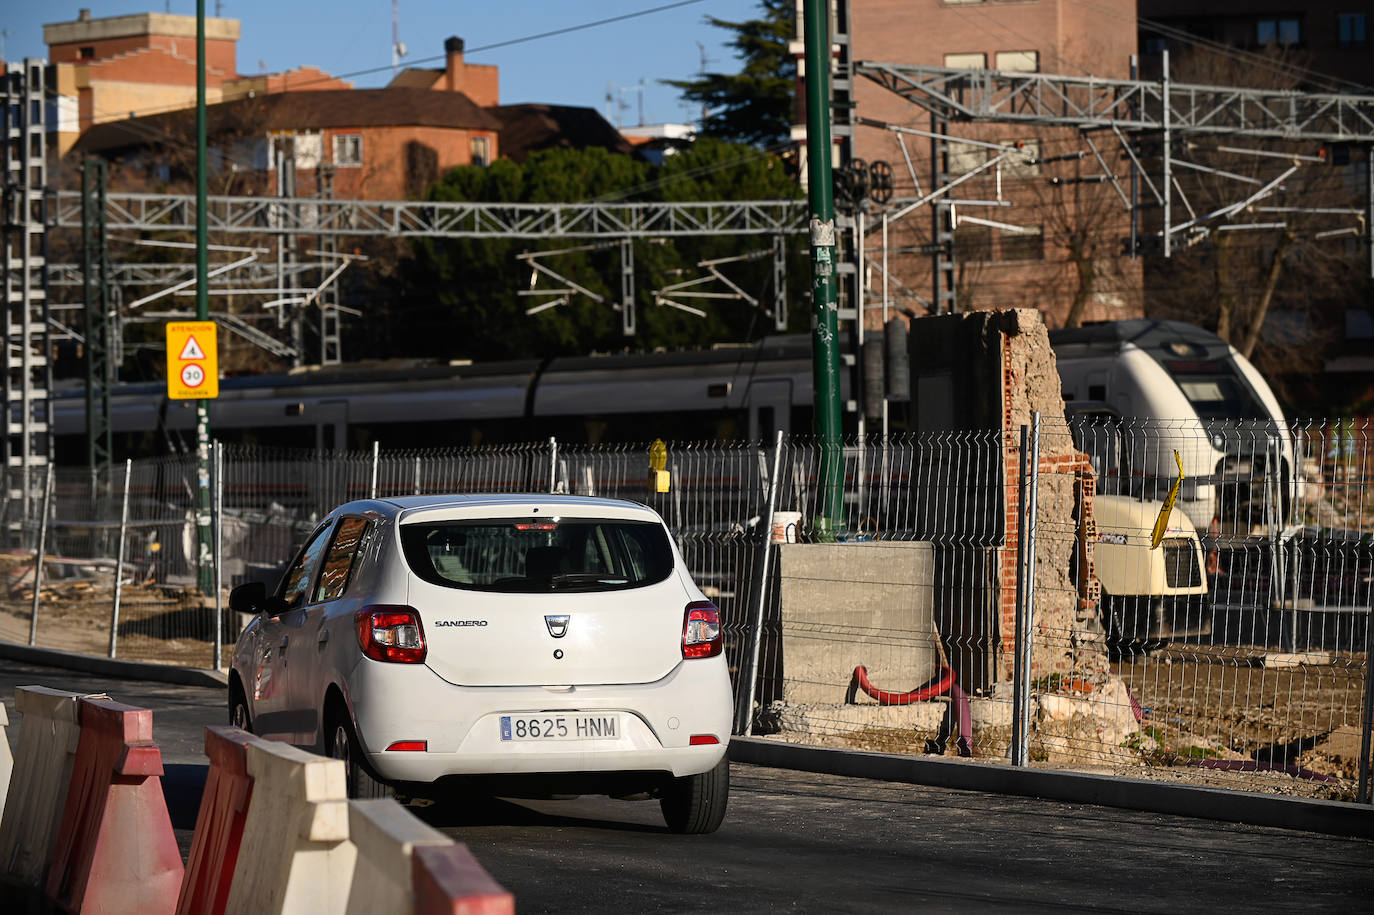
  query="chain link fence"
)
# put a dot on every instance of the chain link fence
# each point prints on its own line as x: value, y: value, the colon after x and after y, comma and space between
x: 983, y: 595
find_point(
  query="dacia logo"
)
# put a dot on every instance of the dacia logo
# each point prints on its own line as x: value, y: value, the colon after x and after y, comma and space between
x: 461, y: 623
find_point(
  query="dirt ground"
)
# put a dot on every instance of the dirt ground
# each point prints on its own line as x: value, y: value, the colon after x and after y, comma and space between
x: 1220, y: 717
x: 158, y: 622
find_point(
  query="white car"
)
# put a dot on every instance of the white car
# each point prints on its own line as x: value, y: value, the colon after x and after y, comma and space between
x: 548, y: 644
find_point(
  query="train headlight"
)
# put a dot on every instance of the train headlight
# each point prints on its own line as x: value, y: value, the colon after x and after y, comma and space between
x: 1218, y: 441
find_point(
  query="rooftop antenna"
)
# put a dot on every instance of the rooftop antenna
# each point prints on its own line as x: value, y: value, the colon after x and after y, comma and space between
x: 398, y: 47
x: 705, y: 62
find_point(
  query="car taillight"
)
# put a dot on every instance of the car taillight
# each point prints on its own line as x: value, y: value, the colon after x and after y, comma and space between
x: 701, y: 636
x: 389, y: 633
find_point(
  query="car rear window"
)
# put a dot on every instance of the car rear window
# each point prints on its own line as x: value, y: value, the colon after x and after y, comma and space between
x: 536, y: 555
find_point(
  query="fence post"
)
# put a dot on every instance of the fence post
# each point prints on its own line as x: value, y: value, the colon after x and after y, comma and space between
x: 217, y: 506
x: 1367, y: 718
x: 1028, y: 484
x: 553, y: 464
x: 38, y: 555
x: 744, y: 714
x: 376, y: 456
x: 119, y: 557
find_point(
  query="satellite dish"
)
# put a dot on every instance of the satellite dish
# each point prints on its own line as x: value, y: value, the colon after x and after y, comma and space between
x: 401, y: 49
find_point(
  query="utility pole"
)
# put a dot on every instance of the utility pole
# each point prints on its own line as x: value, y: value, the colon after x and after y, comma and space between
x: 205, y: 574
x: 825, y: 334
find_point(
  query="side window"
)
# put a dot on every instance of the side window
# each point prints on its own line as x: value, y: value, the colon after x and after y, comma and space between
x: 339, y: 561
x: 297, y: 579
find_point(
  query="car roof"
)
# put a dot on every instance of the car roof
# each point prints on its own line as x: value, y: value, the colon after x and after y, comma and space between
x: 500, y: 504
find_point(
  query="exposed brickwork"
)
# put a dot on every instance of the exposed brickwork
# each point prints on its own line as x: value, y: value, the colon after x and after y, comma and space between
x: 1064, y: 638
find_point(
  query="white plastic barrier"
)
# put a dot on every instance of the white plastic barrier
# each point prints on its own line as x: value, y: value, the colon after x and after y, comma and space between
x: 295, y: 856
x: 6, y: 757
x: 48, y: 735
x: 385, y: 835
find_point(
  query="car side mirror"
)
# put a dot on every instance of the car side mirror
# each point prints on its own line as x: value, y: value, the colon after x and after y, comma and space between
x: 249, y: 597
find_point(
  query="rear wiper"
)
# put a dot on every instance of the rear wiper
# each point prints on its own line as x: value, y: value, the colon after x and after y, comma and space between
x: 566, y: 578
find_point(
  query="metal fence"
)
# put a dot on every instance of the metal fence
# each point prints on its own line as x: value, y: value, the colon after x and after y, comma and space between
x: 987, y: 595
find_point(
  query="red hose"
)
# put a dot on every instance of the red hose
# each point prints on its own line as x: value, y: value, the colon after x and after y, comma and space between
x: 943, y: 680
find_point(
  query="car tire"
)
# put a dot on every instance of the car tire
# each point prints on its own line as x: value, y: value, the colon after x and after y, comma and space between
x: 238, y: 709
x: 342, y: 744
x: 695, y: 804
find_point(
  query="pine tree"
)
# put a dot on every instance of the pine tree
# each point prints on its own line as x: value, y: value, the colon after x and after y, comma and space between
x: 757, y: 104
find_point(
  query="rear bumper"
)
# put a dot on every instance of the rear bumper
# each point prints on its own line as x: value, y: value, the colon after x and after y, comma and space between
x: 461, y: 726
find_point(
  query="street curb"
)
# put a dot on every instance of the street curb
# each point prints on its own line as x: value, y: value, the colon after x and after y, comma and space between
x: 1329, y: 817
x: 113, y: 667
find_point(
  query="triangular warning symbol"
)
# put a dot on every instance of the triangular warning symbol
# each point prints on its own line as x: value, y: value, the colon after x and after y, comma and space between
x: 191, y: 350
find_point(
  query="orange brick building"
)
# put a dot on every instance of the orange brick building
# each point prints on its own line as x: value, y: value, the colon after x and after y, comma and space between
x: 374, y: 144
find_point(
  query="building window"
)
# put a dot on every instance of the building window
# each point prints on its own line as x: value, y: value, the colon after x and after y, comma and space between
x: 1286, y: 33
x: 348, y: 149
x: 972, y: 242
x: 1025, y: 245
x: 481, y: 151
x: 87, y: 52
x: 964, y: 157
x: 1350, y: 29
x: 966, y: 61
x: 1024, y: 163
x: 1019, y: 61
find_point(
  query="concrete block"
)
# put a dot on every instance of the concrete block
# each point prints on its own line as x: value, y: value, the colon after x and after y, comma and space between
x: 1286, y: 659
x: 48, y: 735
x: 920, y: 718
x: 385, y: 835
x: 849, y: 604
x: 295, y: 837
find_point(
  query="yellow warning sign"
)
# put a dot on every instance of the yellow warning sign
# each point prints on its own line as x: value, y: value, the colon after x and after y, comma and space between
x: 192, y: 360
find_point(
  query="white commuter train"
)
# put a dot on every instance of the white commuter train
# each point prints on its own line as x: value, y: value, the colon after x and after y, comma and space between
x: 1136, y: 391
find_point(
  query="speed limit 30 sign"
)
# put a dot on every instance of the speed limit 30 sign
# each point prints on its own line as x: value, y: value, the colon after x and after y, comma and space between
x: 192, y: 360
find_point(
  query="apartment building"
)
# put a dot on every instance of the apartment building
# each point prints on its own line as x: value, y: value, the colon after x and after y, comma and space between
x: 286, y: 134
x: 1055, y: 241
x: 121, y: 67
x: 1328, y: 38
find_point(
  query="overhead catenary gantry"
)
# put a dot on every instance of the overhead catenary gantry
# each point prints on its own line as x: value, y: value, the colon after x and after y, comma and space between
x: 1131, y: 106
x: 616, y: 224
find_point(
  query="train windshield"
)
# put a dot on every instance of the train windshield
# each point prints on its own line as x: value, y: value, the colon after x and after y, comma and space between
x: 1215, y: 391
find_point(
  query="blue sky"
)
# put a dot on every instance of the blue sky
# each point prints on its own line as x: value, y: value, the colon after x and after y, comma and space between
x: 350, y: 36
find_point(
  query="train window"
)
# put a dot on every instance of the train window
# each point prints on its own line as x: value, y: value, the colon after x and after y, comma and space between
x: 1097, y: 392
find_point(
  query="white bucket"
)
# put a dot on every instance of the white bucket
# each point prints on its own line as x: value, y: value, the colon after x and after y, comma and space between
x: 785, y: 526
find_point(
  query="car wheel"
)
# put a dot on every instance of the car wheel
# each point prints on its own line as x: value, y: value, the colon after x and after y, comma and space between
x: 343, y: 745
x: 695, y: 804
x: 238, y: 710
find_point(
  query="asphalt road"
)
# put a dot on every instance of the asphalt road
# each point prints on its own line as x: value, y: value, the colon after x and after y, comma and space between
x: 802, y: 842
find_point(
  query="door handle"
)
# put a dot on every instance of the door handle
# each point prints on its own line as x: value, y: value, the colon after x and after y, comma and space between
x: 323, y: 637
x: 284, y: 640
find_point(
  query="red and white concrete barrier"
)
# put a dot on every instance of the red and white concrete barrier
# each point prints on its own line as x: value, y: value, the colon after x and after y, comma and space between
x: 48, y: 736
x: 115, y: 851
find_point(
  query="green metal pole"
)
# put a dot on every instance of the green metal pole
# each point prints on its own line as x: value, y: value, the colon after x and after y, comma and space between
x: 825, y: 335
x: 204, y: 558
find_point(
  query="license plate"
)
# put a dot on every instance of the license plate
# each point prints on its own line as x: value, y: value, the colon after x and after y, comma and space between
x: 560, y: 727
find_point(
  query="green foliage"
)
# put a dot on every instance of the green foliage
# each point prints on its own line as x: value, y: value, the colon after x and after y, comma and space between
x: 460, y: 295
x: 756, y: 105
